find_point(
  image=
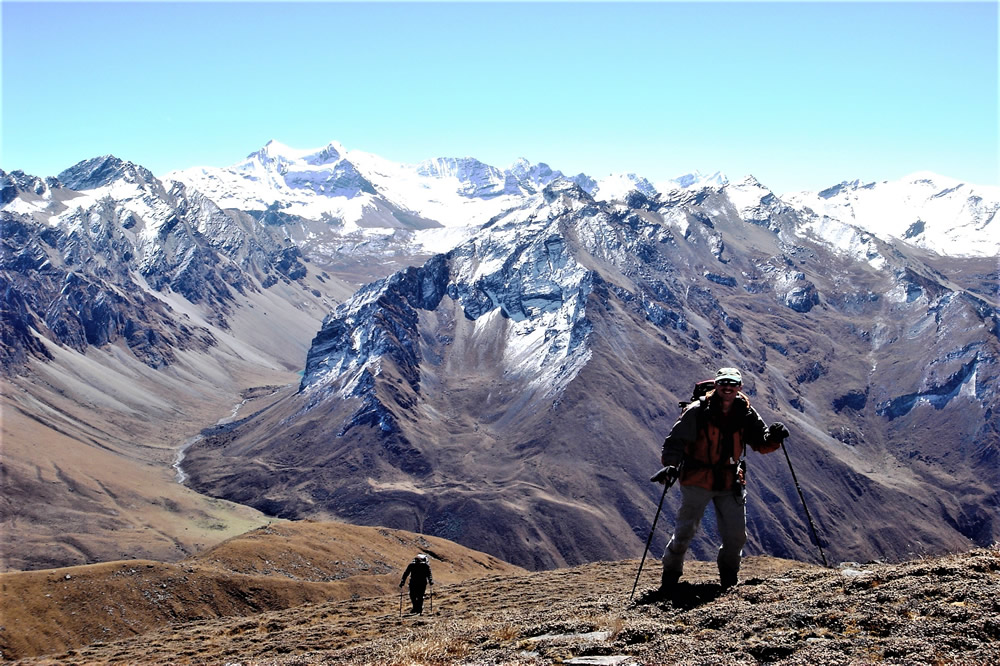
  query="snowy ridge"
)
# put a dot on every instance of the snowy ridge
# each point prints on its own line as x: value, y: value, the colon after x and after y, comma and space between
x: 616, y: 187
x: 116, y: 196
x: 91, y: 186
x: 443, y: 201
x: 335, y: 184
x: 843, y: 237
x: 522, y: 271
x: 924, y: 209
x: 516, y: 279
x: 694, y: 180
x: 314, y: 184
x: 128, y: 244
x: 364, y: 193
x: 440, y: 190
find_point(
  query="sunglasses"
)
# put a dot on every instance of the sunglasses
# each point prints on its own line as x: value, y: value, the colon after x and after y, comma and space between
x: 727, y: 382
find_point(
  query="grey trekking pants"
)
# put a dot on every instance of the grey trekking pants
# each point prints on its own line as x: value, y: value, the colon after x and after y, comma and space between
x: 731, y: 517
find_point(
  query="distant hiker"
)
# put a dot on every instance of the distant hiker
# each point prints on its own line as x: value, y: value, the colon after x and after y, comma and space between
x: 706, y: 448
x: 419, y: 571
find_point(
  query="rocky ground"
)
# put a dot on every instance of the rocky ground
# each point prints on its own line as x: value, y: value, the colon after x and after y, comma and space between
x: 931, y: 611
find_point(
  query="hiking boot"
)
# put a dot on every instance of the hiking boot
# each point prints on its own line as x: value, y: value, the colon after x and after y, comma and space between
x: 728, y: 579
x: 668, y: 582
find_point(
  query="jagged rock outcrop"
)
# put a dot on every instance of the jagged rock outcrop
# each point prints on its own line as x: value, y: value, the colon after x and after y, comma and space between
x: 88, y: 259
x: 17, y: 183
x: 102, y: 171
x: 76, y: 307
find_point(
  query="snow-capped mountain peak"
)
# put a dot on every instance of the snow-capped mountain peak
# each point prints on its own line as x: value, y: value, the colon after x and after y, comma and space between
x: 843, y: 187
x: 316, y: 184
x: 538, y: 175
x: 102, y: 171
x: 694, y: 180
x: 365, y: 193
x: 925, y: 209
x: 472, y: 178
x: 520, y: 167
x: 616, y: 187
x: 275, y: 151
x: 752, y: 200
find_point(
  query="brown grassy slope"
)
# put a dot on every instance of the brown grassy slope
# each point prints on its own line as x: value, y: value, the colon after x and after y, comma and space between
x: 89, y: 439
x: 88, y: 443
x: 66, y: 501
x: 942, y: 610
x: 324, y: 552
x: 274, y: 567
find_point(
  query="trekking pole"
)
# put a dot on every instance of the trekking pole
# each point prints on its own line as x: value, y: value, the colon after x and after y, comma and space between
x: 812, y: 528
x: 667, y: 482
x: 400, y: 601
x: 432, y: 599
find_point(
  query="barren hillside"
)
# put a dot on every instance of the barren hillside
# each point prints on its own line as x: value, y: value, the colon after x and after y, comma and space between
x: 281, y: 565
x: 942, y: 610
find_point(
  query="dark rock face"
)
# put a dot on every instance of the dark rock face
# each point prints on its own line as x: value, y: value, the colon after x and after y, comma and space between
x: 936, y: 395
x: 802, y: 299
x: 19, y: 341
x: 16, y: 182
x: 100, y: 171
x: 855, y: 400
x: 392, y: 304
x: 76, y: 283
x: 76, y: 307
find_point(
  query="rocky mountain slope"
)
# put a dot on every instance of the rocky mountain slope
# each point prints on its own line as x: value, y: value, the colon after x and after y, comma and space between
x: 929, y: 610
x: 519, y: 354
x: 133, y: 314
x: 512, y: 393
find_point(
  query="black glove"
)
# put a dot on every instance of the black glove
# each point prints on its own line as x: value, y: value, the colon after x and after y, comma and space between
x: 666, y: 475
x: 777, y: 432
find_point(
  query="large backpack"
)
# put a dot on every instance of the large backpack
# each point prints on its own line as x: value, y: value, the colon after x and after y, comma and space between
x: 700, y: 389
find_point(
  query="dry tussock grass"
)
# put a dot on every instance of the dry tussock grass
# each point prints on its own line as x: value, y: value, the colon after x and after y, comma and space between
x: 507, y: 631
x: 441, y: 647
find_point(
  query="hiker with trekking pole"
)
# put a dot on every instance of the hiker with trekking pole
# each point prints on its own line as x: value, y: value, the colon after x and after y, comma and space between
x: 419, y: 573
x: 705, y: 452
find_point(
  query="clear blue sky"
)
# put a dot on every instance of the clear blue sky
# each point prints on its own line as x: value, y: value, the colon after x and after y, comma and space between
x: 802, y: 95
